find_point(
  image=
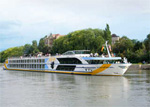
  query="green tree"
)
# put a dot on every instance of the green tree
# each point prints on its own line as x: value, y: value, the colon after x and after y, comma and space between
x: 27, y: 49
x: 11, y: 52
x: 86, y: 39
x: 134, y: 50
x: 147, y: 43
x: 34, y: 47
x: 134, y: 41
x: 138, y: 45
x: 121, y: 46
x: 43, y: 47
x: 107, y: 34
x: 147, y: 46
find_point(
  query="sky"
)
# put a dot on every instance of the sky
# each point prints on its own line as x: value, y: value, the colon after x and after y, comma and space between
x: 22, y: 21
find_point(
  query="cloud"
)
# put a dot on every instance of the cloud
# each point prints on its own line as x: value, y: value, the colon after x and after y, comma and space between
x: 10, y: 40
x: 8, y: 25
x: 32, y: 11
x: 27, y: 20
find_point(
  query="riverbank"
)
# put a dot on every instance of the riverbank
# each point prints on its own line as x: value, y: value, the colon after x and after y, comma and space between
x: 139, y: 67
x: 1, y: 64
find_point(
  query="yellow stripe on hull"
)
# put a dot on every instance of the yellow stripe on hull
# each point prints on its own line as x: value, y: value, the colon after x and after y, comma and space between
x: 101, y: 69
x: 66, y: 72
x: 6, y: 62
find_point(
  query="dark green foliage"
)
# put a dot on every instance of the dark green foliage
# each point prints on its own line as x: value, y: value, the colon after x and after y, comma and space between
x: 11, y: 52
x: 86, y: 39
x: 123, y: 45
x: 147, y: 46
x: 107, y: 34
x: 41, y: 44
x: 34, y: 47
x: 27, y: 49
x: 42, y: 47
x: 138, y: 45
x: 132, y: 49
x: 147, y: 43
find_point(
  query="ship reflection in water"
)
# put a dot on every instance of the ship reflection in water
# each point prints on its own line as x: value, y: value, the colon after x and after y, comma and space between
x: 37, y: 89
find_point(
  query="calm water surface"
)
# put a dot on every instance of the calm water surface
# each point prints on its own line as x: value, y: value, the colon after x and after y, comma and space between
x: 37, y: 89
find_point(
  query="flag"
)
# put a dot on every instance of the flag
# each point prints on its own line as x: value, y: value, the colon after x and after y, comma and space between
x: 109, y: 48
x: 102, y: 49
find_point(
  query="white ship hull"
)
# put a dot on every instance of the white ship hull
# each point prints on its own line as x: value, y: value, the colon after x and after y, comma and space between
x: 86, y: 69
x: 71, y: 62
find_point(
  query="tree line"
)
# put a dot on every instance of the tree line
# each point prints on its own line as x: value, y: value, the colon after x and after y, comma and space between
x: 87, y: 39
x: 136, y: 51
x: 26, y: 50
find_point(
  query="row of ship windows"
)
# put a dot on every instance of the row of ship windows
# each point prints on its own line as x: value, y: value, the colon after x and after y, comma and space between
x: 38, y: 66
x: 104, y: 61
x: 77, y: 61
x: 69, y: 61
x: 28, y: 61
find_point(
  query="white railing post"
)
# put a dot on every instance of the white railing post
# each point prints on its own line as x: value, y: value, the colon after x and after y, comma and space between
x: 108, y: 50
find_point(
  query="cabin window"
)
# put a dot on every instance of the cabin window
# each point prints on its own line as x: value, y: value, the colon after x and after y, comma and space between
x: 42, y: 66
x: 95, y: 61
x: 82, y: 52
x: 69, y: 61
x: 43, y: 60
x: 65, y: 68
x: 68, y: 53
x: 104, y: 61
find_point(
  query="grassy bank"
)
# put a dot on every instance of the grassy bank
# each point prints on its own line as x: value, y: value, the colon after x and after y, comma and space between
x: 140, y: 67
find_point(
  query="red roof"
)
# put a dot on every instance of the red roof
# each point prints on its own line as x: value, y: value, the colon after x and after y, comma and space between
x: 114, y: 35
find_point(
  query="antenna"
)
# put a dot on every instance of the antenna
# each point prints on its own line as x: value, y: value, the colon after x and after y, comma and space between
x: 108, y: 50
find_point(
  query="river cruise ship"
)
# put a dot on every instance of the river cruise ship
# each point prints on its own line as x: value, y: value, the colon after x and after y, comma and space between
x: 72, y: 62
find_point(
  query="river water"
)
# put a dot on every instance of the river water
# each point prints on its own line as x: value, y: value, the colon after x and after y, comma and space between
x: 38, y: 89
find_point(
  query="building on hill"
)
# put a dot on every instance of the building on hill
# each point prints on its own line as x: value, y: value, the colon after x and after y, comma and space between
x: 115, y: 38
x: 49, y: 39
